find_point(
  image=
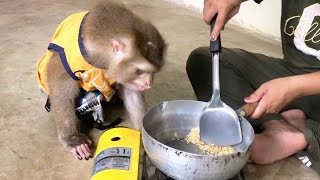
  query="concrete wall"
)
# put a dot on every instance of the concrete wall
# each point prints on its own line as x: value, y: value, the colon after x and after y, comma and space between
x: 263, y: 18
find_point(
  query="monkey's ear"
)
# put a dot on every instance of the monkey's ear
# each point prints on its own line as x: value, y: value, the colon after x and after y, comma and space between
x: 117, y: 45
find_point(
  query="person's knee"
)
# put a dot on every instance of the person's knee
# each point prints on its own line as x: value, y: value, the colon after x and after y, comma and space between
x: 196, y: 58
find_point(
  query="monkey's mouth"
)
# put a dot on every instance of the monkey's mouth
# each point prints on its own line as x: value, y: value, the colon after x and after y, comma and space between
x: 137, y: 87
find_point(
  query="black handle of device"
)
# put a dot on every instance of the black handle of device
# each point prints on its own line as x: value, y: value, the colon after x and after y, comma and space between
x: 215, y: 46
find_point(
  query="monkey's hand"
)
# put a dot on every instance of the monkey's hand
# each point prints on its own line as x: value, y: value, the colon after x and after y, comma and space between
x: 78, y: 145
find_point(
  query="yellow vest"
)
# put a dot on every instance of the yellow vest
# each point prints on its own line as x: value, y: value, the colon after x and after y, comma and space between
x: 67, y: 41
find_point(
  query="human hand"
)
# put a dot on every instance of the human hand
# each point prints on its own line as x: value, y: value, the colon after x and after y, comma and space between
x: 226, y: 9
x: 272, y: 96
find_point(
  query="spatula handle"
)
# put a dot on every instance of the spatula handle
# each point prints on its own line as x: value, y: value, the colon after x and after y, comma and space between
x: 248, y: 109
x: 215, y: 46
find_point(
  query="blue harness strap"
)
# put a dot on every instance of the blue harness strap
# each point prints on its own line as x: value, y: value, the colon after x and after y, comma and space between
x: 63, y: 58
x: 80, y: 39
x: 62, y: 54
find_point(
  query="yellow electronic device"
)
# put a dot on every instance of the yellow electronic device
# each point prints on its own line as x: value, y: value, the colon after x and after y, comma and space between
x: 117, y: 155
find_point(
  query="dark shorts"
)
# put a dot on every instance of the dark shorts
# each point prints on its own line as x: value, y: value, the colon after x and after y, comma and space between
x: 312, y: 135
x: 241, y: 73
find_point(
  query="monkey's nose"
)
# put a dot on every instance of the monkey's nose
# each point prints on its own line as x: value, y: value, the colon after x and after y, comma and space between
x: 148, y: 84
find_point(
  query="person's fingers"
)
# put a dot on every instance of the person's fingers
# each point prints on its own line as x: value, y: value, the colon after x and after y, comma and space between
x: 256, y: 96
x: 209, y: 11
x: 232, y: 13
x: 259, y: 111
x: 218, y: 26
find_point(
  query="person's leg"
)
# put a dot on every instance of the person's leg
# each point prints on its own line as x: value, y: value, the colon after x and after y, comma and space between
x: 199, y: 72
x: 241, y: 73
x: 312, y: 135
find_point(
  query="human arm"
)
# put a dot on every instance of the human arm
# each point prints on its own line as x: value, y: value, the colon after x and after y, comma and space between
x: 276, y: 94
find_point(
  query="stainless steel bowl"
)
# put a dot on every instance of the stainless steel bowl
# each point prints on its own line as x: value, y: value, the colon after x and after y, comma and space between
x: 169, y: 121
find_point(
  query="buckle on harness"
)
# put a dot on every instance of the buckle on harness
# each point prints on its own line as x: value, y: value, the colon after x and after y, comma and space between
x: 47, y: 105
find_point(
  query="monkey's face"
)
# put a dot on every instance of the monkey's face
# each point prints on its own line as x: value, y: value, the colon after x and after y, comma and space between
x: 141, y: 82
x: 129, y: 67
x: 137, y: 74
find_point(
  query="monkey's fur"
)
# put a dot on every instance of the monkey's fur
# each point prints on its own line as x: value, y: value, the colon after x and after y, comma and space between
x: 109, y: 29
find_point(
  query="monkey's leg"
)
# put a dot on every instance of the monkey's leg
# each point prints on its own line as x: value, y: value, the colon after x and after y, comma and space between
x: 135, y: 105
x: 63, y: 91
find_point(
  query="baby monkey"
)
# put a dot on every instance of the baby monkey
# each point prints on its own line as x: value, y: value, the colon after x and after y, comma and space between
x: 108, y: 49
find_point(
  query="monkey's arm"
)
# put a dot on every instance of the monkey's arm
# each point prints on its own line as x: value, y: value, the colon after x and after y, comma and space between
x: 135, y: 105
x: 63, y: 91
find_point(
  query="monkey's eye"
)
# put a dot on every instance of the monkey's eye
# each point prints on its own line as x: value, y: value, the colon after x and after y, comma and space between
x: 139, y: 72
